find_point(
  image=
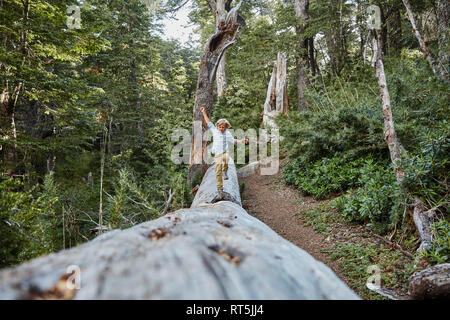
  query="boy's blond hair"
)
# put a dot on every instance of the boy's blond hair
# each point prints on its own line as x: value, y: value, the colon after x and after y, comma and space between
x: 220, y: 121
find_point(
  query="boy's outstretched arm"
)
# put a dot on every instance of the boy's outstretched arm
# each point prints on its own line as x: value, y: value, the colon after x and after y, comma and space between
x: 205, y: 116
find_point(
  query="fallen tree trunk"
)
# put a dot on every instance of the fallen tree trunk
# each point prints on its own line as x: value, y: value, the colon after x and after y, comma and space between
x: 431, y: 283
x: 209, y: 251
x: 423, y: 221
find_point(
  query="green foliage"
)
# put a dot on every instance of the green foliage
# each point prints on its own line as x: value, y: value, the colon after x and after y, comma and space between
x: 240, y: 106
x: 330, y: 144
x: 129, y: 203
x: 440, y: 250
x: 379, y: 201
x: 311, y: 136
x: 321, y: 218
x: 426, y: 170
x: 327, y: 175
x: 354, y: 259
x: 27, y: 220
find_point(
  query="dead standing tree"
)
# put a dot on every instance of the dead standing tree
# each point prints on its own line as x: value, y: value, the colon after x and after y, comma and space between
x: 277, y: 100
x: 227, y: 30
x: 220, y: 8
x: 420, y: 285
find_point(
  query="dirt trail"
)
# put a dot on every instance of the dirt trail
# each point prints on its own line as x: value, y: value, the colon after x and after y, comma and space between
x: 273, y: 202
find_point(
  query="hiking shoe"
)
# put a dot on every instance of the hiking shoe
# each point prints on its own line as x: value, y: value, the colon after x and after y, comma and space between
x: 220, y: 195
x: 225, y: 175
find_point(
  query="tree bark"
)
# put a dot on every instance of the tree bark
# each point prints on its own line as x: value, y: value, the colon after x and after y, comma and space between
x: 224, y: 36
x: 301, y: 11
x: 421, y: 218
x: 277, y: 100
x: 221, y: 79
x: 395, y: 147
x: 437, y: 70
x: 209, y: 251
x: 221, y: 76
x: 431, y: 283
x: 423, y: 221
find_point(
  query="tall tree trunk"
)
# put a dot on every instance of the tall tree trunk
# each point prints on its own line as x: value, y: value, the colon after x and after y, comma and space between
x: 224, y: 36
x: 277, y: 100
x: 422, y: 218
x: 395, y: 147
x: 437, y: 70
x: 301, y: 11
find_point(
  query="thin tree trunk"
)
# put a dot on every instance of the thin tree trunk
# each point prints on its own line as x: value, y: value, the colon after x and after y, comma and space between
x: 301, y: 11
x: 428, y: 56
x: 421, y: 218
x: 224, y: 36
x: 102, y: 166
x: 395, y: 147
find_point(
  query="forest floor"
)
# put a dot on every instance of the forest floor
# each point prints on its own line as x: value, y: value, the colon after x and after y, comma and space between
x: 348, y: 249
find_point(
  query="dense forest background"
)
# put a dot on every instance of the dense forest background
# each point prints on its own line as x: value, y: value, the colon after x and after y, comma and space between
x: 87, y: 114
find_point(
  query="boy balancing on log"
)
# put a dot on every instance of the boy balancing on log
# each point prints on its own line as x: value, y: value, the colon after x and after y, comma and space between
x: 221, y: 137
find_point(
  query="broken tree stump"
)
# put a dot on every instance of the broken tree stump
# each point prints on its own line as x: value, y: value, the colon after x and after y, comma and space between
x: 208, y: 251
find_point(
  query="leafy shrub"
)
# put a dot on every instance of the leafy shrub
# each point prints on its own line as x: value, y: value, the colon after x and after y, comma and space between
x: 240, y: 106
x: 27, y: 220
x: 440, y: 250
x: 426, y: 169
x: 379, y: 201
x: 355, y: 131
x: 327, y: 175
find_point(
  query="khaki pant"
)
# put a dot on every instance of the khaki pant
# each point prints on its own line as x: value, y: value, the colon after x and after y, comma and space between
x: 221, y: 162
